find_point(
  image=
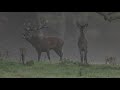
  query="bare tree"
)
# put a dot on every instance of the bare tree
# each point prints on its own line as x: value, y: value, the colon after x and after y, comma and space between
x: 106, y: 16
x: 109, y: 16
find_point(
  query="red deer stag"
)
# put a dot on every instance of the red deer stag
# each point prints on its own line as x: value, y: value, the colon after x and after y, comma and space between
x: 40, y: 42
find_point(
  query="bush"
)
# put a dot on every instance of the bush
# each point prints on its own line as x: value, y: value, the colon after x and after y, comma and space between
x: 110, y: 60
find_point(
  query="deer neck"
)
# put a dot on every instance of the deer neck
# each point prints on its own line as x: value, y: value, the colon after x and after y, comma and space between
x: 82, y: 35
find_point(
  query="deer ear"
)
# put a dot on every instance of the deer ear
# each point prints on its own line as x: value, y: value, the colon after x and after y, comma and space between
x: 86, y: 25
x: 78, y: 25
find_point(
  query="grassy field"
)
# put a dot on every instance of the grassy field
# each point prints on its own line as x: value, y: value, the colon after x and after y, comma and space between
x: 10, y: 69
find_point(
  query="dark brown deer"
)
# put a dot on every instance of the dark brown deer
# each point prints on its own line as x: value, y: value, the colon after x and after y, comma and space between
x: 41, y: 42
x: 82, y: 43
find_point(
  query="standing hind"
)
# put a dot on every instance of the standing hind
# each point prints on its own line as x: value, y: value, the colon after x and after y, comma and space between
x: 82, y: 43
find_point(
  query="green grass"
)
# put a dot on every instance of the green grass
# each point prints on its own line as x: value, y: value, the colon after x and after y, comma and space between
x: 11, y: 69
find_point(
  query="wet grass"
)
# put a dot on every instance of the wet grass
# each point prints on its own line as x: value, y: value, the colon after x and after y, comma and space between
x: 11, y: 69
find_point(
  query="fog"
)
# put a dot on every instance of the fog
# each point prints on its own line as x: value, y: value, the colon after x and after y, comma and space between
x: 103, y: 37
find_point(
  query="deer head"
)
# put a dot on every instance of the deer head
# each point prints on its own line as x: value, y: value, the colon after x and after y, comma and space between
x: 81, y: 26
x: 33, y: 30
x: 43, y: 23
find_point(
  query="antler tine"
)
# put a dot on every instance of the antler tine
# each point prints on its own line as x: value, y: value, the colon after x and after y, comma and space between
x: 24, y: 35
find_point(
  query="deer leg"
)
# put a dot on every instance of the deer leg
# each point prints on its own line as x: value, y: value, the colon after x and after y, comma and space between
x: 85, y: 57
x: 59, y: 53
x: 23, y: 59
x: 39, y: 56
x: 48, y: 54
x: 81, y: 56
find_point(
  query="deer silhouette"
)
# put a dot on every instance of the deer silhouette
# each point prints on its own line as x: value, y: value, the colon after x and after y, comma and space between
x: 82, y: 43
x: 41, y: 42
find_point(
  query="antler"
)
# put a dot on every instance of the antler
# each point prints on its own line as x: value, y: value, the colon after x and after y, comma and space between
x: 28, y: 27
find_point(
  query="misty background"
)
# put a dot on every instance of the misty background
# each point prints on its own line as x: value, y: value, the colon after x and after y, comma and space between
x: 103, y: 37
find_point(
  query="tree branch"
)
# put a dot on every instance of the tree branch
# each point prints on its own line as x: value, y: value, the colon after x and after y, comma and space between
x: 110, y: 16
